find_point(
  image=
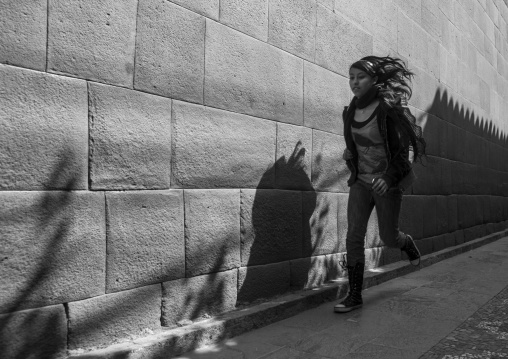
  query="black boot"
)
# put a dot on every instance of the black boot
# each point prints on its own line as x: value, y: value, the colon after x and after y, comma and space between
x: 354, y: 297
x: 412, y: 251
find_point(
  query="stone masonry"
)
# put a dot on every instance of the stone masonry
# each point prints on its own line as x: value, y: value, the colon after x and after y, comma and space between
x: 164, y: 161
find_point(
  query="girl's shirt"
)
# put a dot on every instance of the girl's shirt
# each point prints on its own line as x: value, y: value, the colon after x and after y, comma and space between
x: 372, y: 159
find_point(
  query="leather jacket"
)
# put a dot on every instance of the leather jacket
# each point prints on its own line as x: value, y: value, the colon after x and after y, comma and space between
x: 396, y: 145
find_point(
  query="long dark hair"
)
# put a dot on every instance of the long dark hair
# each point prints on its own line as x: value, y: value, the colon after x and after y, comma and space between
x: 394, y: 89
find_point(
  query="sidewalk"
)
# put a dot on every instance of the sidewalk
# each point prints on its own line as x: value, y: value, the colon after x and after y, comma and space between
x: 454, y: 309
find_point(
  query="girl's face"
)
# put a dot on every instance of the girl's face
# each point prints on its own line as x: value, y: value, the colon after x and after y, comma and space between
x: 360, y: 82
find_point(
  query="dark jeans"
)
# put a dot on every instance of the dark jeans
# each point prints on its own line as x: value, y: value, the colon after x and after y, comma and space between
x: 362, y: 200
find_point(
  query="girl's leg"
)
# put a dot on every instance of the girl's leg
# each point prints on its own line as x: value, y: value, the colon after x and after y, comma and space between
x: 388, y: 210
x: 359, y: 208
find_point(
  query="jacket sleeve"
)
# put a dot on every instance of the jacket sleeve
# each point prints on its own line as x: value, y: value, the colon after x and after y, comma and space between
x: 399, y: 165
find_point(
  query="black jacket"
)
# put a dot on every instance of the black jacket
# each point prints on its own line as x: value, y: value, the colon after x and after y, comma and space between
x: 396, y: 145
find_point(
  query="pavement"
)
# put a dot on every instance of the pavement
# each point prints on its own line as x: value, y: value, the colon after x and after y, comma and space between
x: 454, y: 309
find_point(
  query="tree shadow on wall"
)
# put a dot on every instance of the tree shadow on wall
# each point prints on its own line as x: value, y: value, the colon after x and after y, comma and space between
x: 283, y: 228
x: 24, y: 332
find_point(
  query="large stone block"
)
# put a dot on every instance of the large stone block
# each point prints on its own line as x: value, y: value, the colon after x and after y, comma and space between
x: 293, y: 26
x: 53, y: 248
x: 373, y: 257
x: 93, y: 39
x: 342, y: 225
x: 247, y: 16
x: 23, y: 32
x: 320, y: 223
x: 294, y: 156
x: 430, y: 225
x: 198, y: 297
x: 312, y: 272
x: 420, y: 48
x: 43, y: 131
x: 117, y: 317
x: 249, y: 76
x: 411, y: 220
x: 339, y: 42
x: 372, y: 237
x: 452, y: 212
x: 170, y: 50
x: 145, y: 238
x: 413, y: 8
x: 34, y: 333
x: 443, y: 222
x: 271, y: 226
x: 329, y: 170
x: 214, y: 148
x: 487, y: 216
x: 466, y: 211
x: 212, y: 231
x: 130, y: 139
x: 264, y: 281
x: 405, y: 44
x: 209, y: 8
x: 431, y: 17
x: 326, y: 94
x: 429, y: 177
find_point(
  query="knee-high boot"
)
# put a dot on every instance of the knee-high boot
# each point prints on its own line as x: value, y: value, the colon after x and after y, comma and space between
x: 354, y: 297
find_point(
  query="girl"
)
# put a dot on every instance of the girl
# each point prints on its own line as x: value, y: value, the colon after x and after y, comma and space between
x: 379, y: 133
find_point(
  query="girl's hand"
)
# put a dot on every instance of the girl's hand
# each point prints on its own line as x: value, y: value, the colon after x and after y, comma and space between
x: 379, y: 186
x: 347, y: 155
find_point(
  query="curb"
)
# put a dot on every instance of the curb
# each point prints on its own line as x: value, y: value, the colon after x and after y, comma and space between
x: 176, y: 341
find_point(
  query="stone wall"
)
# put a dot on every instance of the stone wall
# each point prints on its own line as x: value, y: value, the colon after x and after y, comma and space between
x: 165, y: 161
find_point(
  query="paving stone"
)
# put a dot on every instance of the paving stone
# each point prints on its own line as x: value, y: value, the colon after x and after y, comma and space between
x: 320, y: 223
x: 249, y: 76
x: 212, y: 231
x: 130, y: 139
x: 104, y: 51
x: 329, y: 170
x: 483, y: 335
x: 263, y: 281
x: 294, y: 156
x: 339, y: 42
x: 53, y: 247
x: 99, y: 321
x: 271, y: 226
x: 34, y: 333
x: 146, y: 241
x: 23, y: 33
x: 198, y: 297
x: 293, y: 26
x: 215, y: 149
x: 43, y: 131
x: 247, y: 16
x: 209, y: 8
x: 325, y: 94
x: 170, y: 50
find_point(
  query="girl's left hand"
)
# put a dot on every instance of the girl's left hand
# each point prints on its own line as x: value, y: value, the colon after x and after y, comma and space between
x: 380, y: 187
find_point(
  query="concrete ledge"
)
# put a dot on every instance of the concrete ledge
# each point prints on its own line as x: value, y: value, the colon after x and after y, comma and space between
x: 180, y: 340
